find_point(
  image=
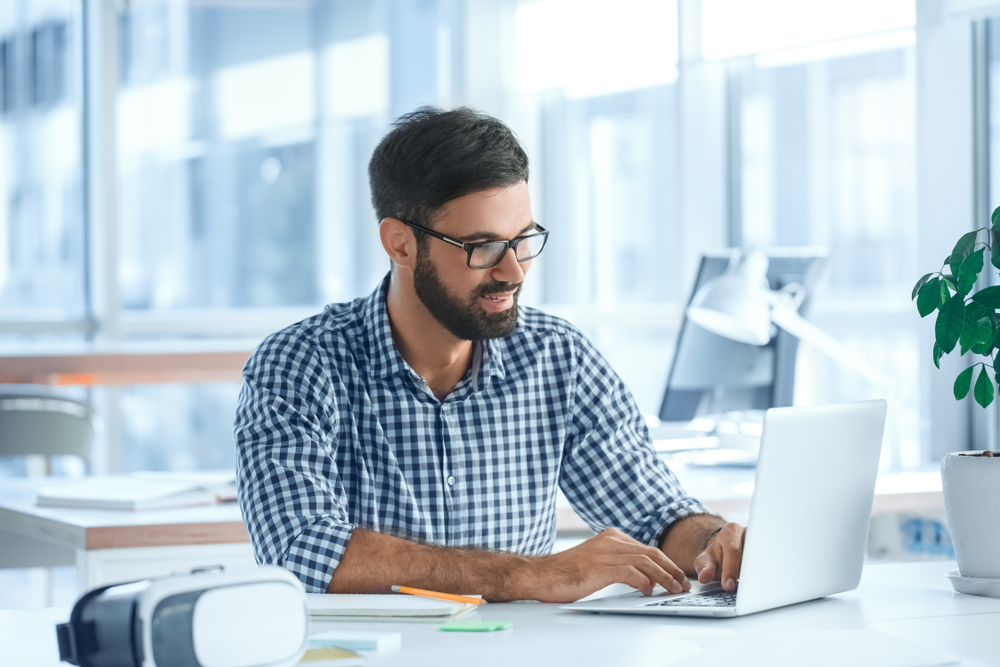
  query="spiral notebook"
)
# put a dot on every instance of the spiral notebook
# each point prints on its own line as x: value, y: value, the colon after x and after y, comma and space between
x: 386, y: 608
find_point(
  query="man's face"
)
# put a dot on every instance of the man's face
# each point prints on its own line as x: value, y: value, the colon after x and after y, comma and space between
x: 475, y: 304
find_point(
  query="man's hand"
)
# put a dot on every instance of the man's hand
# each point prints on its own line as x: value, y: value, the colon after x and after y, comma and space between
x: 722, y: 556
x: 609, y: 558
x: 373, y: 562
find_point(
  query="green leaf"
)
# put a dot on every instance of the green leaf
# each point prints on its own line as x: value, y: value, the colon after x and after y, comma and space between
x: 984, y: 388
x: 995, y: 218
x: 995, y: 247
x: 945, y: 283
x: 962, y: 383
x: 962, y: 250
x: 938, y: 352
x: 988, y: 296
x: 986, y: 346
x: 974, y: 333
x: 969, y: 271
x: 920, y: 283
x: 950, y: 322
x: 930, y: 297
x: 975, y: 311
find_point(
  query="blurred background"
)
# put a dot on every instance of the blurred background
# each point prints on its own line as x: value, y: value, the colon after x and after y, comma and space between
x: 194, y: 171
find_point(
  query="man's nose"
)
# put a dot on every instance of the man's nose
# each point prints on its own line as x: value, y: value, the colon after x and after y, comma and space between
x: 509, y: 270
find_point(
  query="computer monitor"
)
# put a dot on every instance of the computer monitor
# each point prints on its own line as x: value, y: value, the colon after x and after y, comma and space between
x: 710, y: 374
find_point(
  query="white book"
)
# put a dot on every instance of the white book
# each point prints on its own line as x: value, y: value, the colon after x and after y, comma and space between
x: 222, y: 482
x: 392, y: 608
x: 127, y: 493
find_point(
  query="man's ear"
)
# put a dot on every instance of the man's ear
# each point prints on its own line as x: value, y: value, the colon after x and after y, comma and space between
x: 399, y: 242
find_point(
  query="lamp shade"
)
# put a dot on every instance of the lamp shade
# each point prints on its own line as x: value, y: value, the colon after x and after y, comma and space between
x: 736, y: 304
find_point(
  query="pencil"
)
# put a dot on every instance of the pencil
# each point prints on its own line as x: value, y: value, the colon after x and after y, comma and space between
x: 434, y: 595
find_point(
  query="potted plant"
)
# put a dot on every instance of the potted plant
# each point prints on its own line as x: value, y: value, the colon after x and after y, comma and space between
x: 970, y: 321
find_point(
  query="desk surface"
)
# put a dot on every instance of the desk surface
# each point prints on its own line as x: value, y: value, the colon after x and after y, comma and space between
x: 909, y: 602
x: 105, y: 529
x: 726, y: 491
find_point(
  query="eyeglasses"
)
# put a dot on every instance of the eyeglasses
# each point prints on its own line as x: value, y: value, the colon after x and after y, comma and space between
x: 485, y: 254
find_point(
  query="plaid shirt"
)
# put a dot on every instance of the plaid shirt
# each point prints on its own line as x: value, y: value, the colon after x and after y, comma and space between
x: 334, y: 431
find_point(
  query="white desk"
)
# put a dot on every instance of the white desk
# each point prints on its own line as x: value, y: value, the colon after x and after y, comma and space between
x: 912, y: 602
x: 109, y: 546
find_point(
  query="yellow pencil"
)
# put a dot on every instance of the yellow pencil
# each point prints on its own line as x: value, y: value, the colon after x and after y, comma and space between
x: 434, y: 595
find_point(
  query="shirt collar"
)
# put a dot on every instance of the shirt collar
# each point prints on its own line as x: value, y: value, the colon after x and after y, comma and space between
x: 386, y: 360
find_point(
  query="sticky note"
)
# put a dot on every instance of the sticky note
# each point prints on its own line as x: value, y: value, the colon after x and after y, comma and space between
x: 476, y: 626
x: 357, y: 641
x: 331, y: 657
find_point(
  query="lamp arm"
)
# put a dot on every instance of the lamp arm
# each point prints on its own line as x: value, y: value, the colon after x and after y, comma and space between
x: 789, y: 320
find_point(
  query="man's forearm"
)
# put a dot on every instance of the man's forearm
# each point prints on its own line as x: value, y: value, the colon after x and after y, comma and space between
x: 373, y: 562
x: 688, y: 538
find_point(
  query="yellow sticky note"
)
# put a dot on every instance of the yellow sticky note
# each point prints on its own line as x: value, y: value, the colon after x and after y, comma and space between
x: 332, y: 657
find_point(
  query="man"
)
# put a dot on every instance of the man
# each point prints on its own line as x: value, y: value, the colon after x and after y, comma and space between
x: 418, y: 436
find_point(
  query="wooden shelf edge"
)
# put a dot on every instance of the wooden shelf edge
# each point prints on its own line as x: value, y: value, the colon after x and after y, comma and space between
x: 168, y: 535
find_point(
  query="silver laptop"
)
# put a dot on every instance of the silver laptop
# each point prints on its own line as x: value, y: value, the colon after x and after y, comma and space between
x: 809, y: 516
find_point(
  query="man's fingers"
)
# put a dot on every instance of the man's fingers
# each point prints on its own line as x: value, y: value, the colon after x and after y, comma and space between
x: 655, y: 573
x: 631, y: 576
x: 669, y: 567
x: 655, y: 561
x: 705, y: 566
x: 731, y: 542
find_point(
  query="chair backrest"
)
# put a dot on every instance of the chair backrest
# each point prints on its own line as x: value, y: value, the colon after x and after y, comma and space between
x: 42, y: 420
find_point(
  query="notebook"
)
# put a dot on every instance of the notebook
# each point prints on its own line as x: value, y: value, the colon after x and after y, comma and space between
x: 388, y: 608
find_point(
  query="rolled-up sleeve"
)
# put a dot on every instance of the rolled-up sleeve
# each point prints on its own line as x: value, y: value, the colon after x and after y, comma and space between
x: 289, y: 489
x: 610, y: 472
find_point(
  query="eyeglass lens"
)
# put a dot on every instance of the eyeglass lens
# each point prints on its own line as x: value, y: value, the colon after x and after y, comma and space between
x: 489, y: 254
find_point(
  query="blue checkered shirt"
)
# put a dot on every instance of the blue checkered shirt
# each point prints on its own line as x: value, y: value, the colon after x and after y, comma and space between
x: 335, y: 431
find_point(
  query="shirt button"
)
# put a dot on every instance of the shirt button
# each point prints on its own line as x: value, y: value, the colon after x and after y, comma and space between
x: 451, y: 480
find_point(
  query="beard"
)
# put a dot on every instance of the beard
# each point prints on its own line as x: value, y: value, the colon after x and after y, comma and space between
x: 464, y: 318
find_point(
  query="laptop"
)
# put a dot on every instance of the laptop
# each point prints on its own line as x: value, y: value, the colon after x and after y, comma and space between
x: 809, y: 516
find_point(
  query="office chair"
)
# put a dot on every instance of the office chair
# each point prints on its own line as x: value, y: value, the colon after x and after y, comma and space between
x: 38, y: 420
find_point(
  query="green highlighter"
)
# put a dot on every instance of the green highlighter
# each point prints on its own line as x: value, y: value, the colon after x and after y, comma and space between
x: 476, y: 626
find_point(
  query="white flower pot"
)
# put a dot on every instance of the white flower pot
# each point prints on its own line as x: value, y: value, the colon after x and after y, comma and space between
x: 972, y: 500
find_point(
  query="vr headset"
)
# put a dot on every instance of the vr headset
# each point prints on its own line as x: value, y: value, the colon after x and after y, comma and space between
x: 209, y: 618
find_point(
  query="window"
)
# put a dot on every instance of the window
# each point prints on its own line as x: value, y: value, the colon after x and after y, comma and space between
x: 826, y: 131
x: 242, y: 130
x: 240, y: 157
x: 42, y: 258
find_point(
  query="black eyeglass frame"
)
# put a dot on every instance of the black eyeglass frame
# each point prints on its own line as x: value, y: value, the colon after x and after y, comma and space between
x: 469, y: 248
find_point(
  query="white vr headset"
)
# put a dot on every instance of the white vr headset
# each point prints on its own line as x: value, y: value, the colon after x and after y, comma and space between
x: 209, y: 618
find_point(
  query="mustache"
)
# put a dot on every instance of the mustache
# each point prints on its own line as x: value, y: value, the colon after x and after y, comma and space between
x: 498, y: 287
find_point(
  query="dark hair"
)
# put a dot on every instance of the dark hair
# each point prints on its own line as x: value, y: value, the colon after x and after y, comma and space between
x: 432, y: 156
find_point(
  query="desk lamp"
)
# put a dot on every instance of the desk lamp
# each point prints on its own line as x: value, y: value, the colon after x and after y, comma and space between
x: 740, y: 305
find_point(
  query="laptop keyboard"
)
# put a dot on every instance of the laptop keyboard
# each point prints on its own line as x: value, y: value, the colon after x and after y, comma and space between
x: 716, y: 598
